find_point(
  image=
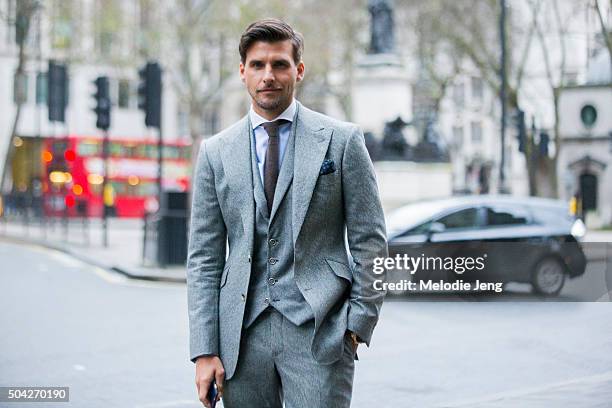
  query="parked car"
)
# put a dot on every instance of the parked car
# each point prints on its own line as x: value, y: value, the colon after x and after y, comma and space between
x: 527, y: 240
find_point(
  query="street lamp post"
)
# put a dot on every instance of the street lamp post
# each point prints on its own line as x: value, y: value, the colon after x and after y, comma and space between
x: 502, y: 95
x: 103, y: 121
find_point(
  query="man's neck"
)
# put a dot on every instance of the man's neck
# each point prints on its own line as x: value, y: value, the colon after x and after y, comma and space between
x: 270, y: 114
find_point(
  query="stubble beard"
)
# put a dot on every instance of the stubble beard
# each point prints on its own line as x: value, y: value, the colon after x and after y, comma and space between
x: 270, y: 104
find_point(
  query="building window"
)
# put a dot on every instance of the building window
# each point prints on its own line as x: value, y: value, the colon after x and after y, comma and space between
x: 41, y: 88
x: 20, y: 88
x: 458, y: 136
x: 476, y: 128
x: 211, y: 122
x: 62, y: 24
x: 183, y: 122
x: 107, y: 25
x: 123, y: 99
x: 477, y: 90
x: 459, y: 95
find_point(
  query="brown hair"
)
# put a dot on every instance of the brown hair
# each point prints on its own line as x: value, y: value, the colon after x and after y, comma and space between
x: 270, y: 30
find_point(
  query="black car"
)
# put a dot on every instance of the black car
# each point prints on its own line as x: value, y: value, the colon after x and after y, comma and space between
x: 508, y: 239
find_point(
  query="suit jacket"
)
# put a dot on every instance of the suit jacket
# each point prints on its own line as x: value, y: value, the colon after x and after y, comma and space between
x: 331, y: 213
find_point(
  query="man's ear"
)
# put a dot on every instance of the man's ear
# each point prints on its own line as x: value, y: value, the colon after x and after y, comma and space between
x: 300, y: 71
x: 241, y: 71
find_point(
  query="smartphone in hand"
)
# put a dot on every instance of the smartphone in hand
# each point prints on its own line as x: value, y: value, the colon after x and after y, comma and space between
x: 212, y: 394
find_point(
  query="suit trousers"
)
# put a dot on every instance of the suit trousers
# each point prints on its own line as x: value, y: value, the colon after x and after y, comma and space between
x: 276, y: 368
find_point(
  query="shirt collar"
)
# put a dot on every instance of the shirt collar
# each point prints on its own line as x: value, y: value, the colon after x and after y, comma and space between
x: 287, y: 114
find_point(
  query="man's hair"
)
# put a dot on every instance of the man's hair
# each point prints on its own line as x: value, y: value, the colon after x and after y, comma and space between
x: 270, y: 30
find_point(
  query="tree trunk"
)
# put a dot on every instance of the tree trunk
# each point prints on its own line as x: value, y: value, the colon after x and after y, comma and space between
x: 26, y: 11
x: 11, y: 147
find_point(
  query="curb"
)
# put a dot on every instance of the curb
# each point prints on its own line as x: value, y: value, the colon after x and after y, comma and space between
x: 117, y: 269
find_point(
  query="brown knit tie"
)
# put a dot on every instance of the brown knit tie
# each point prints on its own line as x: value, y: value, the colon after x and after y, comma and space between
x: 272, y: 157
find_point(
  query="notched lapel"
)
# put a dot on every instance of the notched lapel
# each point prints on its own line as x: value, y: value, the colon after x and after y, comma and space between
x: 286, y: 172
x: 311, y: 144
x: 236, y: 158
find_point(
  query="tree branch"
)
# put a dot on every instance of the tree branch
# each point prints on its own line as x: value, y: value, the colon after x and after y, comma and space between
x: 604, y: 31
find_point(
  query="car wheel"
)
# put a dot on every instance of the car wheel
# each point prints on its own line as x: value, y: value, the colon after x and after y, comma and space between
x: 548, y: 277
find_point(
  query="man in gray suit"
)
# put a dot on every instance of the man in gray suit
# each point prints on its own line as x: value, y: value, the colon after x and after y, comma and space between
x: 286, y: 222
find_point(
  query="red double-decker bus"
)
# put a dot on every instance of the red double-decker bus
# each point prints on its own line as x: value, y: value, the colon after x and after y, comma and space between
x: 74, y: 169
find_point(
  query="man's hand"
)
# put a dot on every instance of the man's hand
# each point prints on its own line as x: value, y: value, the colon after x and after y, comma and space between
x: 355, y: 340
x: 209, y: 368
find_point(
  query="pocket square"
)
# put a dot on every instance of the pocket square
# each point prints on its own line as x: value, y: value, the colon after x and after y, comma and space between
x: 327, y: 167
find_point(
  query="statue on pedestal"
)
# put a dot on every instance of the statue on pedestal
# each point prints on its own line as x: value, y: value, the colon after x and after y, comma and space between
x: 382, y: 39
x: 431, y: 148
x: 394, y: 145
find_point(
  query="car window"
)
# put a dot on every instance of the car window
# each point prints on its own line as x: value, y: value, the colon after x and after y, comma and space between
x: 467, y: 218
x: 505, y: 215
x: 421, y: 229
x: 405, y: 219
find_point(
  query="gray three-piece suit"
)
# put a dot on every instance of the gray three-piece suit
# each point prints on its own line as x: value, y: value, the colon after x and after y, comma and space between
x: 273, y: 294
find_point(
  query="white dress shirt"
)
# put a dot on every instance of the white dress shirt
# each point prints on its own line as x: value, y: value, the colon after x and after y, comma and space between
x: 261, y: 136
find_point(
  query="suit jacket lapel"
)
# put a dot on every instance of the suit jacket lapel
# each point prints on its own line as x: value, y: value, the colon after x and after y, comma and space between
x: 286, y: 171
x: 260, y: 195
x: 236, y: 158
x: 311, y: 142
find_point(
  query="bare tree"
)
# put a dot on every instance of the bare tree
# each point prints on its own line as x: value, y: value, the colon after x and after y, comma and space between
x: 25, y: 13
x: 334, y: 39
x: 471, y: 31
x: 196, y: 77
x: 437, y: 57
x: 605, y: 32
x: 551, y: 28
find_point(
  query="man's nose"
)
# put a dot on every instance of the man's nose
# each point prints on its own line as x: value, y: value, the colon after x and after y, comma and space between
x: 268, y: 75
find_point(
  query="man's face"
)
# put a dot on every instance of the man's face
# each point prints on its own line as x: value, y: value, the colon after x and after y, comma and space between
x: 270, y: 75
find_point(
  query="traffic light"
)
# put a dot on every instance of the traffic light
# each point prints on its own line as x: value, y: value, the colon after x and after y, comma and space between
x: 103, y: 103
x: 521, y: 129
x: 57, y: 94
x: 149, y: 93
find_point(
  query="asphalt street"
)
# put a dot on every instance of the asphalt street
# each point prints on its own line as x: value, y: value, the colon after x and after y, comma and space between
x: 122, y: 343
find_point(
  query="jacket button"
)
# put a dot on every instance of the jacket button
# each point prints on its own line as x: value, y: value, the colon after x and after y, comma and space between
x: 273, y: 242
x: 272, y: 261
x: 266, y: 300
x: 271, y: 281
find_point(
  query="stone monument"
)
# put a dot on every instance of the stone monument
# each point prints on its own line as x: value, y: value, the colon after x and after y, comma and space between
x: 382, y: 38
x: 381, y: 90
x: 382, y: 105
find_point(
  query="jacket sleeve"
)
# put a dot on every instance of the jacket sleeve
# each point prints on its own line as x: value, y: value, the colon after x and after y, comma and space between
x: 366, y: 235
x: 205, y: 260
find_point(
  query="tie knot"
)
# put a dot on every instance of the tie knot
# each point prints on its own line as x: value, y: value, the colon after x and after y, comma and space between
x: 272, y: 127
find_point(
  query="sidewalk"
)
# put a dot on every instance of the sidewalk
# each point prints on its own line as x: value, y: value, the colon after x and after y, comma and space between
x: 588, y: 392
x: 85, y: 242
